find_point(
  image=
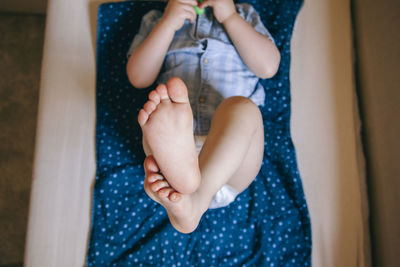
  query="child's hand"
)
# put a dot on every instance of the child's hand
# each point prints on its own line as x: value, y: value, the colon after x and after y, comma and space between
x: 177, y: 11
x: 223, y: 9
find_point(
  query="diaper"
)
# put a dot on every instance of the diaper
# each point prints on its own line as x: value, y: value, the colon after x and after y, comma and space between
x: 227, y: 194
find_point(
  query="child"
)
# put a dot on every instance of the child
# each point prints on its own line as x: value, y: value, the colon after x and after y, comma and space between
x: 203, y: 133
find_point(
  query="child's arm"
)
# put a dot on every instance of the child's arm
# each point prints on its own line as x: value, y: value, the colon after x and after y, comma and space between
x: 145, y: 62
x: 258, y: 52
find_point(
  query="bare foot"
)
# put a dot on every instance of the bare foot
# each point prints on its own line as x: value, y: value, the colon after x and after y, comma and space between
x: 167, y: 126
x: 184, y: 211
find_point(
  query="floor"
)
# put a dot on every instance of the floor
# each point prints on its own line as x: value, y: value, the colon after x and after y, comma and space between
x: 21, y: 45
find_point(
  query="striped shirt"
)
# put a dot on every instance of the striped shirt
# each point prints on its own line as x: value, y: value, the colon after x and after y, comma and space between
x: 203, y: 56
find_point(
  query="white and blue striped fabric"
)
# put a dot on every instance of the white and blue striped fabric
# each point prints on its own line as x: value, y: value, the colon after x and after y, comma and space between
x: 203, y: 56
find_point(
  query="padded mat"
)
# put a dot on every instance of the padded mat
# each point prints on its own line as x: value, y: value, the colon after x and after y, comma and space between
x: 267, y: 225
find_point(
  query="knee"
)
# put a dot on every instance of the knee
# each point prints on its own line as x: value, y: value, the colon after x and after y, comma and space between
x: 238, y: 102
x: 241, y: 110
x: 241, y: 106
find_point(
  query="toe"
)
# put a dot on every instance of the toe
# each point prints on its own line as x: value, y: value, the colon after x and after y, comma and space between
x: 150, y: 164
x: 149, y: 107
x: 158, y: 185
x: 165, y: 192
x: 155, y: 97
x: 142, y: 117
x: 153, y: 177
x: 162, y: 92
x: 177, y: 90
x: 149, y: 192
x: 174, y: 196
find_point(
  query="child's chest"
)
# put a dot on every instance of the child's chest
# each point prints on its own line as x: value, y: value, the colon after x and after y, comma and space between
x: 204, y: 27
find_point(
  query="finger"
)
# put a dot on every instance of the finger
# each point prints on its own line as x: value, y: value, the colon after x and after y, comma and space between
x: 190, y: 14
x: 206, y: 3
x: 189, y: 7
x: 189, y: 2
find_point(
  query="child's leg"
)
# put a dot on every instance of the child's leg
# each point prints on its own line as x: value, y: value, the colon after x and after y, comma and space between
x: 231, y: 154
x: 233, y: 151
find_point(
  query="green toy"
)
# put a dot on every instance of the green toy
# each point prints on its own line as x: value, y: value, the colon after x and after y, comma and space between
x: 199, y: 11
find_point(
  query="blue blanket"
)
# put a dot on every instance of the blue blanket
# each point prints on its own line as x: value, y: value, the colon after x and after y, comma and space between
x: 267, y: 225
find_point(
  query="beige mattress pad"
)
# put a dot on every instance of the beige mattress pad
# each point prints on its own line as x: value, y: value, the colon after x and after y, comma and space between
x: 325, y: 130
